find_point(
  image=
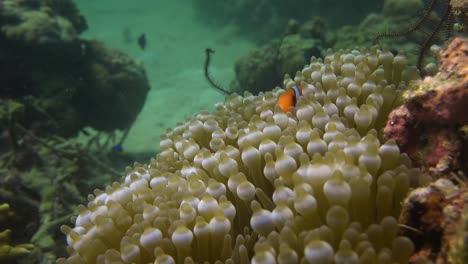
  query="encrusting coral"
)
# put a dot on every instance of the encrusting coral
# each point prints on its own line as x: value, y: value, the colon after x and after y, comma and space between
x: 65, y: 96
x: 439, y: 211
x: 436, y: 109
x: 10, y: 252
x: 35, y: 22
x: 250, y: 183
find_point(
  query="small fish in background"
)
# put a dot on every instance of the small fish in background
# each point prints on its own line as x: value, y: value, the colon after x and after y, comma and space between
x: 289, y: 98
x: 118, y: 148
x: 142, y: 41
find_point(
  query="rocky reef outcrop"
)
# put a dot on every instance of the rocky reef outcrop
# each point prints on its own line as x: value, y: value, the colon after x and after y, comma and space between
x: 65, y: 82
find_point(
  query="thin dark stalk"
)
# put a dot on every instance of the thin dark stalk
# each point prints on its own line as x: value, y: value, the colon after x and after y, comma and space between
x: 208, y: 52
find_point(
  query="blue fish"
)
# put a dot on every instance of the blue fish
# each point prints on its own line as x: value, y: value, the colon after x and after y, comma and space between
x: 118, y: 148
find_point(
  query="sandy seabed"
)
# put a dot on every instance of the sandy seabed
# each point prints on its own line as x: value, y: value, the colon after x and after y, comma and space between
x: 173, y: 58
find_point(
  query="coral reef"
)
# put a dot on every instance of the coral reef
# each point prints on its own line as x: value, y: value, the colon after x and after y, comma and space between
x: 407, y: 26
x: 446, y: 23
x: 66, y: 8
x: 267, y: 17
x: 36, y: 23
x: 436, y: 221
x: 263, y: 68
x: 113, y: 75
x: 250, y: 183
x: 10, y: 252
x: 294, y: 52
x: 389, y: 19
x: 47, y: 178
x: 401, y: 7
x: 428, y: 125
x: 52, y: 85
x: 66, y: 95
x: 256, y: 70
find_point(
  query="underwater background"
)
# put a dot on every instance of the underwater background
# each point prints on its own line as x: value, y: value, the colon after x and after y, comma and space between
x: 173, y: 59
x: 89, y: 88
x: 177, y: 34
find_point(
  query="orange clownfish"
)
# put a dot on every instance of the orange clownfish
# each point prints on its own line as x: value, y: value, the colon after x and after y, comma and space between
x: 289, y: 98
